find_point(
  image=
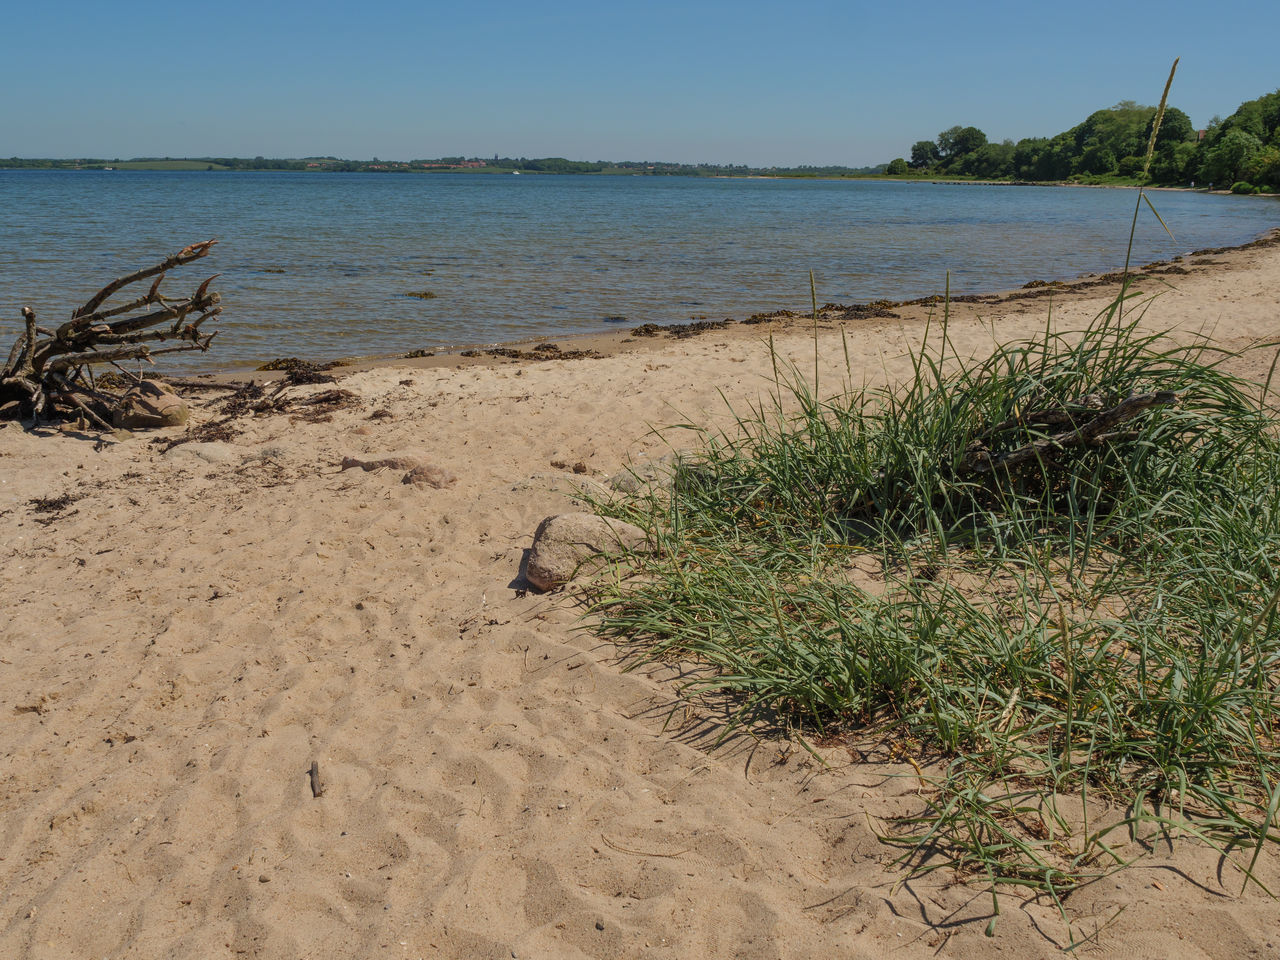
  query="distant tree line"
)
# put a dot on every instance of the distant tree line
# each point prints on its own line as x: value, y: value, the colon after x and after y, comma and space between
x: 667, y: 168
x: 257, y: 163
x: 1241, y: 152
x: 543, y: 165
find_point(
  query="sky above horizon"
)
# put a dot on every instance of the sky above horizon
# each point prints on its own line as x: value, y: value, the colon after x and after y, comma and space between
x: 819, y: 83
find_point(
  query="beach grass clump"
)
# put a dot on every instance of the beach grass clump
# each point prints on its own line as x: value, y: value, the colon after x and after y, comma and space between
x: 1069, y: 614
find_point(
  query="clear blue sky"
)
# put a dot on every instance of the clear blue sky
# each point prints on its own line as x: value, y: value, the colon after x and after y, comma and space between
x: 760, y: 83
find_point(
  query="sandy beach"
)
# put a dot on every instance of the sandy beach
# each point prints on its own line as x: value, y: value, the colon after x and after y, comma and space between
x: 195, y: 626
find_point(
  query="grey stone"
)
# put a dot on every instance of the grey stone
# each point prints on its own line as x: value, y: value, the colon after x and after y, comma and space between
x: 573, y: 544
x: 149, y: 405
x: 642, y: 474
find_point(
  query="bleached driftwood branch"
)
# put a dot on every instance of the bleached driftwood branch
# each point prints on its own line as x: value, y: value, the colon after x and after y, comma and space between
x: 50, y: 371
x: 1090, y: 425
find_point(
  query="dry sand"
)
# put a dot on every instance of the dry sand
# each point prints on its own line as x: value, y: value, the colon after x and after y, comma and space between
x: 181, y: 642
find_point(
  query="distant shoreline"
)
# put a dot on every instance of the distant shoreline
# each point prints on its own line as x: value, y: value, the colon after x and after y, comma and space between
x: 622, y: 168
x: 667, y: 170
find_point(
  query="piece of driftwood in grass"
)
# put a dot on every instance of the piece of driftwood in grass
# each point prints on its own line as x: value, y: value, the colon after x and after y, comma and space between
x: 49, y: 372
x: 1091, y: 424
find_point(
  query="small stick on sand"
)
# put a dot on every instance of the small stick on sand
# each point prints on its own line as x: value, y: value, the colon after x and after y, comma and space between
x: 317, y: 788
x: 640, y: 853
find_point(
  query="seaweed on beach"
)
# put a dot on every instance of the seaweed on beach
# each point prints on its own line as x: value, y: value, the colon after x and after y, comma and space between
x: 284, y: 363
x: 253, y: 399
x: 49, y: 510
x: 320, y: 407
x: 543, y: 351
x: 682, y: 331
x: 53, y: 504
x: 298, y: 371
x: 217, y: 431
x: 876, y: 309
x: 937, y: 299
x: 242, y: 400
x: 308, y: 375
x: 1270, y: 239
x: 770, y: 317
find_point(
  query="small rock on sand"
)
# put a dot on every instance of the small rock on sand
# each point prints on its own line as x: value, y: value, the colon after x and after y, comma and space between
x: 212, y: 451
x: 426, y: 474
x: 641, y: 474
x: 418, y: 471
x: 571, y: 544
x: 148, y: 405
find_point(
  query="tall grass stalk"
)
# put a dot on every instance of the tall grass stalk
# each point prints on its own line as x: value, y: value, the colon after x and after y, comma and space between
x: 1156, y: 122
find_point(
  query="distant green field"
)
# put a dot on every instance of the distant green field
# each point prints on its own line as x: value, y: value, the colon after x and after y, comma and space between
x: 167, y: 165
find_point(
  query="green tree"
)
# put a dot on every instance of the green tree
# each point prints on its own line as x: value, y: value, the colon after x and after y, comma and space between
x: 1174, y: 128
x: 924, y: 153
x: 897, y: 167
x: 1173, y: 163
x: 1226, y: 159
x: 946, y: 142
x: 990, y: 161
x: 1130, y: 166
x: 1123, y: 130
x: 1263, y: 167
x: 1248, y: 118
x: 1097, y: 159
x: 955, y: 142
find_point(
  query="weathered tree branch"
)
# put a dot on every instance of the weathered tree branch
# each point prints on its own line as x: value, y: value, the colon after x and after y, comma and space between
x: 48, y: 368
x: 84, y: 315
x: 1090, y: 427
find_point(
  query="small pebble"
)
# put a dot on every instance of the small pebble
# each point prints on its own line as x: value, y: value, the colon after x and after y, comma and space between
x: 599, y: 924
x: 263, y: 878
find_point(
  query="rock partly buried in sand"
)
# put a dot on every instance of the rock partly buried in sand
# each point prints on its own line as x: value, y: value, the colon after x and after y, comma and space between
x: 149, y: 405
x: 390, y: 462
x: 419, y: 471
x: 212, y: 451
x: 641, y: 474
x: 572, y: 544
x: 426, y: 474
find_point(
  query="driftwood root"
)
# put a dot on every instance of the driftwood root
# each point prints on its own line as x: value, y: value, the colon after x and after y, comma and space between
x: 49, y: 372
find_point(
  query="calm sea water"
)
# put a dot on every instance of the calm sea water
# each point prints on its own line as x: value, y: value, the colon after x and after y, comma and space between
x: 322, y: 265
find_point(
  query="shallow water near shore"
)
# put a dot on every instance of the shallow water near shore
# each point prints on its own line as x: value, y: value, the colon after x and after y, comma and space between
x: 333, y: 265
